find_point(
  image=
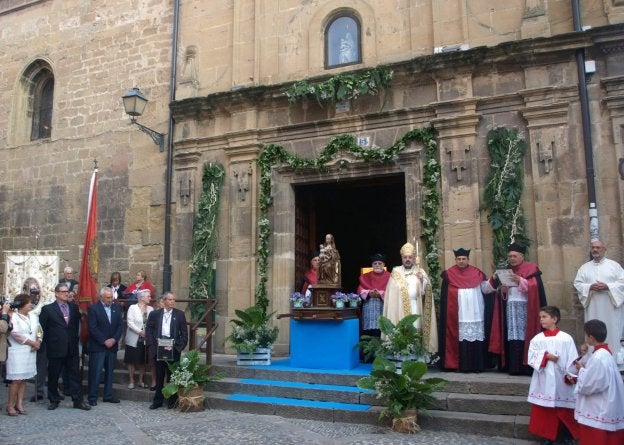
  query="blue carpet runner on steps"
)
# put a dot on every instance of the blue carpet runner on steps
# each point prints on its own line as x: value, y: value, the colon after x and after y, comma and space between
x: 284, y: 365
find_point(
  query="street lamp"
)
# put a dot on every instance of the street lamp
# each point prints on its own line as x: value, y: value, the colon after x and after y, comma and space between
x: 134, y: 103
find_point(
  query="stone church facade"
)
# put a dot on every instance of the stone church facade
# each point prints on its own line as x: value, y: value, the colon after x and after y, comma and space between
x: 461, y: 67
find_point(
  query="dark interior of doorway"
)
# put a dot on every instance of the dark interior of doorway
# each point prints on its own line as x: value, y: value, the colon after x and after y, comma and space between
x: 365, y: 216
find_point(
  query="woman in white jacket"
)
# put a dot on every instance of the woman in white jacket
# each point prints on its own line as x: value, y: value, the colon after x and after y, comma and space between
x: 136, y: 354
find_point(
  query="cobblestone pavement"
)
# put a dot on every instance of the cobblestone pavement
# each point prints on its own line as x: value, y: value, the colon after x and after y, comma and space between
x: 131, y: 422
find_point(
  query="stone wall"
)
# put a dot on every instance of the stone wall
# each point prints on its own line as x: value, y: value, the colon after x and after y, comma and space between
x: 97, y: 51
x: 235, y: 58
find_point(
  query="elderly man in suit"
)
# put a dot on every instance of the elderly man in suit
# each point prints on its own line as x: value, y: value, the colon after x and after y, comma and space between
x: 105, y: 329
x: 60, y: 322
x: 165, y: 323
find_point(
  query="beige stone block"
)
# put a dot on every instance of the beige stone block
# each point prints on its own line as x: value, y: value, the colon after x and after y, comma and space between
x: 136, y: 219
x: 141, y: 196
x: 147, y: 254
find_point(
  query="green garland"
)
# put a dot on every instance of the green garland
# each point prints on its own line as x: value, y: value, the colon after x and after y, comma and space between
x: 503, y: 191
x: 273, y: 155
x: 205, y: 237
x: 430, y: 217
x: 341, y: 86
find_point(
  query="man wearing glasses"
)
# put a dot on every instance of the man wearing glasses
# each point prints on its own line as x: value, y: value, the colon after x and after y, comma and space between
x: 60, y: 322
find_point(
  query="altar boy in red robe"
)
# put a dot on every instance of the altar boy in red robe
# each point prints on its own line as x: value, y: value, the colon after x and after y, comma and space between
x: 551, y: 393
x: 599, y: 391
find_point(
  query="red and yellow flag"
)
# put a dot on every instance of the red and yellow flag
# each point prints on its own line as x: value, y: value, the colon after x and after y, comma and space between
x: 87, y: 282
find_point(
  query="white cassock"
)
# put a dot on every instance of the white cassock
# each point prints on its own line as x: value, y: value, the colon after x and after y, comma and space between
x: 600, y: 393
x: 606, y: 306
x: 548, y: 387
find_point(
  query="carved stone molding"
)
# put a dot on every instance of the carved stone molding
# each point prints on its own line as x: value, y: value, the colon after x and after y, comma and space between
x: 458, y: 159
x: 243, y: 176
x: 612, y: 48
x: 614, y: 103
x: 457, y: 133
x: 547, y: 126
x: 534, y: 8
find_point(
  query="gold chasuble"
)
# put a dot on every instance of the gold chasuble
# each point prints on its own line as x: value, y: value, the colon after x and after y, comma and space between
x: 404, y: 296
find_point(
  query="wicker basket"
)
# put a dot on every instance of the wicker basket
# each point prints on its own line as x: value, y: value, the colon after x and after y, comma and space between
x: 191, y: 400
x: 406, y: 424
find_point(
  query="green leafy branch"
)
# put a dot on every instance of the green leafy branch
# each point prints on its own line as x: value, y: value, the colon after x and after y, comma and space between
x: 205, y: 237
x: 503, y: 191
x: 430, y: 216
x: 341, y: 86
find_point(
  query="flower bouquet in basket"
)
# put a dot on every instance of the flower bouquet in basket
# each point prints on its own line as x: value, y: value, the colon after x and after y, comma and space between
x: 187, y: 380
x: 251, y: 330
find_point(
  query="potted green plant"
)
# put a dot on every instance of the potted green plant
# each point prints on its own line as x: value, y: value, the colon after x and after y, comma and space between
x: 403, y: 393
x: 298, y: 300
x: 339, y: 299
x: 354, y: 299
x: 252, y: 337
x: 187, y: 380
x: 397, y: 343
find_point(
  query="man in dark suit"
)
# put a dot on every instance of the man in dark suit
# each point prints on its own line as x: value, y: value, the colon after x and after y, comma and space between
x: 105, y: 329
x: 72, y: 287
x: 60, y: 322
x: 165, y: 323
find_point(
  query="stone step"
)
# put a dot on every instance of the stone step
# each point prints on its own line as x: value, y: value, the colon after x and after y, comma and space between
x: 487, y: 403
x: 292, y: 390
x: 275, y: 372
x: 293, y: 408
x: 484, y: 404
x: 496, y: 425
x: 482, y: 383
x: 479, y: 403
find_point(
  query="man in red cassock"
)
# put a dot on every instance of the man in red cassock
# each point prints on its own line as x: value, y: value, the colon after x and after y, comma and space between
x: 516, y: 311
x: 462, y: 337
x: 311, y: 275
x: 371, y: 290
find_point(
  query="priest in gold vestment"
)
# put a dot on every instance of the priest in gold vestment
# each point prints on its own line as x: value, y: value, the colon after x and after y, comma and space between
x: 409, y: 292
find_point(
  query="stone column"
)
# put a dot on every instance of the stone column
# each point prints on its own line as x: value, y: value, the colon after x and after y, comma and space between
x: 239, y: 241
x: 457, y: 131
x: 186, y: 185
x: 551, y: 195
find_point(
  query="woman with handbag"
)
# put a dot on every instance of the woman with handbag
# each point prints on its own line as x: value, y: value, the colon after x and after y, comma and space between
x: 135, y: 355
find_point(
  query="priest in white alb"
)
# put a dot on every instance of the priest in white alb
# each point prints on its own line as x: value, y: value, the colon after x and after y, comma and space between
x: 600, y: 287
x: 409, y: 292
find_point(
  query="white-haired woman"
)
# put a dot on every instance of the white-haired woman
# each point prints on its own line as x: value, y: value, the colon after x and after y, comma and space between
x: 135, y: 355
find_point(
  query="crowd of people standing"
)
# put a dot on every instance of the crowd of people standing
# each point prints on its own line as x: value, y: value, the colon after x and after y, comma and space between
x: 504, y: 322
x: 46, y: 346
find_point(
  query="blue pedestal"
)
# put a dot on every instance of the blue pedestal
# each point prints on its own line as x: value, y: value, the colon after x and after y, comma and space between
x: 324, y: 344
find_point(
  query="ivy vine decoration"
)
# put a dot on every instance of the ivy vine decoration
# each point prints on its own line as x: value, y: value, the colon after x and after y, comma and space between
x: 205, y: 237
x: 430, y: 216
x: 503, y: 191
x: 273, y: 155
x: 341, y: 87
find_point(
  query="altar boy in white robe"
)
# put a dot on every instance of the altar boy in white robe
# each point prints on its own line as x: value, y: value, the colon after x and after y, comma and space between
x: 551, y: 393
x: 599, y: 391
